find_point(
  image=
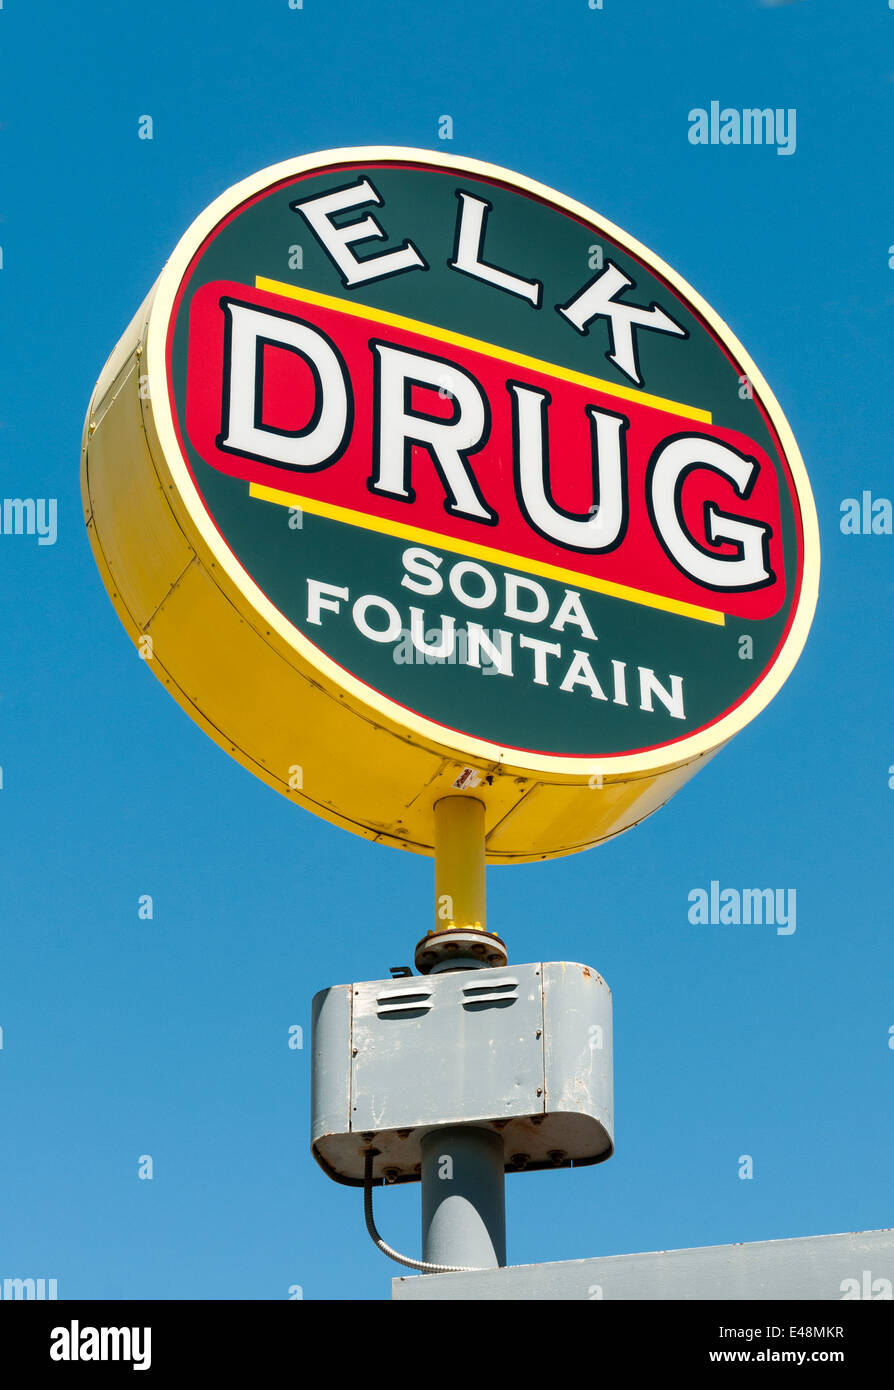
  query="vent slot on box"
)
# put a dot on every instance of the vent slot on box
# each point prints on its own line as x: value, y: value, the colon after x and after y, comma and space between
x: 412, y: 1000
x: 500, y: 992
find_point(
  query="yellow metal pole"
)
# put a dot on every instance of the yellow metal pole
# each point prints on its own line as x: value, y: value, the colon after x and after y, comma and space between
x: 460, y: 940
x: 460, y: 891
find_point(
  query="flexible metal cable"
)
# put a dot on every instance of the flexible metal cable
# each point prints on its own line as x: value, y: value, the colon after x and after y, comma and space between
x: 386, y: 1249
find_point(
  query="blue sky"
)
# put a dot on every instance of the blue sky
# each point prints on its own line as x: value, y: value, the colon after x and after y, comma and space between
x: 124, y: 1037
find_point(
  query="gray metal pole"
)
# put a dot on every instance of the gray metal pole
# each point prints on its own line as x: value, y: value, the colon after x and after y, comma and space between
x: 463, y: 1199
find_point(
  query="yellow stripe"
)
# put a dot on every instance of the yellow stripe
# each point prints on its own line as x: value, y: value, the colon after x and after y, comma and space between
x: 484, y: 552
x: 518, y: 359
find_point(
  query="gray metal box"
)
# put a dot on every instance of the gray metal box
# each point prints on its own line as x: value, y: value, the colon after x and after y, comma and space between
x: 525, y: 1050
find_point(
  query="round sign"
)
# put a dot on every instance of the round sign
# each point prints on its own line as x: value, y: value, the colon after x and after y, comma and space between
x: 412, y: 476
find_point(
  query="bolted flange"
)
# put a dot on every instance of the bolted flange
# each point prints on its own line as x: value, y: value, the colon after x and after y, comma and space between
x: 457, y: 948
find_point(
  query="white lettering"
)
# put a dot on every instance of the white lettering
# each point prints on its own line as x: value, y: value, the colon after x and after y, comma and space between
x: 338, y: 242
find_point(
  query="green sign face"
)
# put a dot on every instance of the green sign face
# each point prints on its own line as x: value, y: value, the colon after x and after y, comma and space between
x: 488, y: 456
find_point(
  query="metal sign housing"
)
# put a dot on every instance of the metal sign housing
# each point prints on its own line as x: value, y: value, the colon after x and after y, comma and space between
x: 413, y: 476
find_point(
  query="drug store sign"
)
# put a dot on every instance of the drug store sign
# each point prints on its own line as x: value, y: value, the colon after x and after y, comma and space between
x: 494, y: 467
